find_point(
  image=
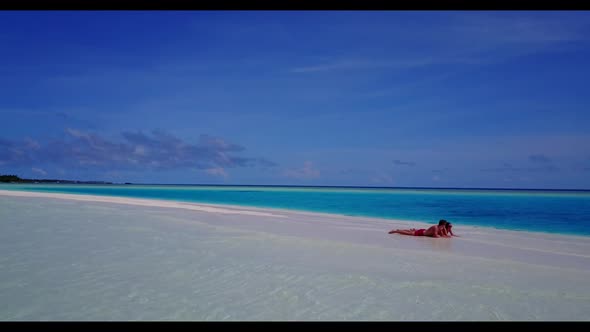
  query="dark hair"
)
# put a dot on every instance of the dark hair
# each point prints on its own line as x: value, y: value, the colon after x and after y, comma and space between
x: 442, y: 222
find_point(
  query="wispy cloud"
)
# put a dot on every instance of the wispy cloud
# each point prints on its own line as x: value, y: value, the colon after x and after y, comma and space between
x: 158, y: 150
x: 543, y: 161
x: 265, y: 163
x: 356, y: 172
x: 468, y: 40
x: 308, y: 171
x: 492, y: 37
x: 539, y: 158
x: 581, y: 168
x: 510, y: 168
x: 404, y: 163
x: 350, y: 64
x: 31, y: 144
x: 376, y: 177
x: 15, y: 153
x: 382, y: 179
x: 496, y: 29
x: 217, y: 171
x: 39, y: 171
x: 63, y: 117
x: 374, y: 63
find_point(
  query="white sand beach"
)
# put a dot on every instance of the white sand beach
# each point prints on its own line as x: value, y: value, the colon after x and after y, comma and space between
x: 81, y: 257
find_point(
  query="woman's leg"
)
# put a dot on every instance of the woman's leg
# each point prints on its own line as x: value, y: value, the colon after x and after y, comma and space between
x: 403, y: 231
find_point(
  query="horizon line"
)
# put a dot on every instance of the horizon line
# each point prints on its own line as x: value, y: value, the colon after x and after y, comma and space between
x: 95, y: 182
x: 342, y: 186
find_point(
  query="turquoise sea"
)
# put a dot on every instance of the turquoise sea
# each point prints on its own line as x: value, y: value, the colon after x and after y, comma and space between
x: 563, y: 211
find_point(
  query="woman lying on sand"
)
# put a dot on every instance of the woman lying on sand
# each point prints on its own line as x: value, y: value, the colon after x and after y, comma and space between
x: 449, y: 229
x: 443, y: 229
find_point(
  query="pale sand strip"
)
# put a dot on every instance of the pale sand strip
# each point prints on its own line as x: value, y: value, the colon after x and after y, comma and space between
x: 139, y: 201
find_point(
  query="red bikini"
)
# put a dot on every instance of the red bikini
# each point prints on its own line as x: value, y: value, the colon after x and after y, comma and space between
x: 419, y: 232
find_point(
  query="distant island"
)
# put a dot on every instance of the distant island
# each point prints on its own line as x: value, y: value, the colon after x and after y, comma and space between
x: 16, y: 179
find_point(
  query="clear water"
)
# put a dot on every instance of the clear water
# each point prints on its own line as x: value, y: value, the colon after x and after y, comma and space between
x: 564, y: 212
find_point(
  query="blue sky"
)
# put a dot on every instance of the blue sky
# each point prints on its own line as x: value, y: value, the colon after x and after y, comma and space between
x: 362, y: 98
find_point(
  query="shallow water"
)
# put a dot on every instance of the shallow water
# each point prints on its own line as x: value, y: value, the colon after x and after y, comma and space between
x: 564, y: 212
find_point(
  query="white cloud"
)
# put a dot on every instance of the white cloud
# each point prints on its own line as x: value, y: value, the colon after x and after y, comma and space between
x: 159, y: 150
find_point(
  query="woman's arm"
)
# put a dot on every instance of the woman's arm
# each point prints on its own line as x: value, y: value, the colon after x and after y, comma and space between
x: 443, y: 232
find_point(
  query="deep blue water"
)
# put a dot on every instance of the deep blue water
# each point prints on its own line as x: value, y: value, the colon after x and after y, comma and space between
x: 565, y: 212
